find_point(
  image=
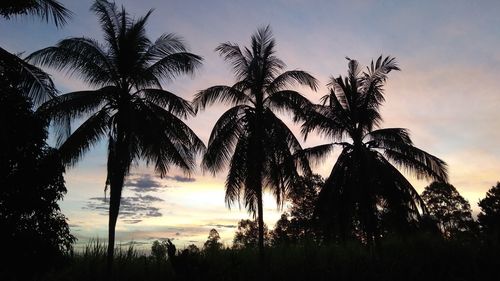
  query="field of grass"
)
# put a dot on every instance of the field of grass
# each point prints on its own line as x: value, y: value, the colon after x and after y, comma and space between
x: 421, y: 258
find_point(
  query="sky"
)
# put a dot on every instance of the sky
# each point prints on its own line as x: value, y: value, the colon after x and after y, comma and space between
x: 447, y: 95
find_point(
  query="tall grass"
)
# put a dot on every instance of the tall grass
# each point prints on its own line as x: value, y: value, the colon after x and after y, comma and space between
x: 419, y: 258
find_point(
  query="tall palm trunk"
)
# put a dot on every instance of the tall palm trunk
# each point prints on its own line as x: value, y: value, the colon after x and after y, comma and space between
x: 118, y: 164
x: 114, y: 209
x: 259, y: 149
x: 260, y: 213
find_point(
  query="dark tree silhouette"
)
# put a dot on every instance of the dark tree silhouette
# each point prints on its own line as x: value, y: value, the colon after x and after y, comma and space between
x: 48, y: 10
x: 489, y: 218
x: 213, y: 243
x: 34, y: 232
x: 129, y: 107
x: 159, y: 250
x: 249, y: 137
x: 299, y: 224
x: 449, y: 209
x: 364, y: 188
x: 248, y: 235
x: 282, y: 232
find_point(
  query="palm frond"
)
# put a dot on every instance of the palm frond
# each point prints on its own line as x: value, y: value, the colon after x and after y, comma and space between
x: 82, y: 57
x: 418, y: 162
x: 237, y: 174
x: 326, y: 122
x: 171, y: 102
x: 165, y: 45
x: 317, y: 153
x: 398, y: 135
x: 33, y: 82
x: 175, y: 64
x: 229, y: 95
x: 84, y: 137
x: 288, y: 101
x: 48, y: 10
x: 223, y: 138
x: 76, y: 104
x: 110, y: 23
x: 290, y: 78
x: 163, y: 139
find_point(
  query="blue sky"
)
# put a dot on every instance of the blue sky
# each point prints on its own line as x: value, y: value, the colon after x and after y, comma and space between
x: 447, y: 94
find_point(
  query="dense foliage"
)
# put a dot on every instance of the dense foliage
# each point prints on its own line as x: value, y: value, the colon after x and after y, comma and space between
x: 33, y: 229
x: 449, y: 210
x: 489, y: 218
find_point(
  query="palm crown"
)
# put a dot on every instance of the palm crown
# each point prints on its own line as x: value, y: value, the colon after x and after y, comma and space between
x: 249, y: 137
x: 364, y: 189
x: 140, y: 119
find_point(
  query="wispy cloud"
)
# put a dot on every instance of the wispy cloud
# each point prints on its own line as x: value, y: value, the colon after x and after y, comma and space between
x: 144, y: 183
x: 133, y: 209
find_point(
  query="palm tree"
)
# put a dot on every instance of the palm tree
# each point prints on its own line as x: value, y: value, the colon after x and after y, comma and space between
x: 249, y: 137
x: 49, y: 10
x: 129, y: 107
x: 364, y: 190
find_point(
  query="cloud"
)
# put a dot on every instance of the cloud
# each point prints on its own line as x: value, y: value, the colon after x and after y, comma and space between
x: 222, y: 225
x: 133, y: 209
x: 143, y: 183
x: 178, y: 178
x: 150, y: 183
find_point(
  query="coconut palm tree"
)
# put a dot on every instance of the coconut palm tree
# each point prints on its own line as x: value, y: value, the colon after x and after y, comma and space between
x: 128, y: 105
x: 249, y: 137
x: 365, y: 190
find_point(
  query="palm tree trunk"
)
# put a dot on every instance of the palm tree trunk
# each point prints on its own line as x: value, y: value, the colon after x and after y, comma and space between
x: 114, y: 209
x: 118, y: 164
x: 260, y: 213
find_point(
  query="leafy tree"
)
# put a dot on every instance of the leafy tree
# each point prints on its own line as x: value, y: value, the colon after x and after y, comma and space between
x: 449, y: 209
x: 159, y: 250
x: 213, y: 243
x: 247, y: 235
x: 193, y: 249
x: 34, y: 231
x: 364, y: 188
x: 49, y: 10
x: 489, y: 218
x: 282, y: 232
x: 256, y: 145
x: 129, y: 106
x: 304, y: 198
x: 299, y: 224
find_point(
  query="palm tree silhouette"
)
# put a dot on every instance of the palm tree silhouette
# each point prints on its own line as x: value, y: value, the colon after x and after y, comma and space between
x: 129, y: 107
x: 364, y: 188
x: 249, y: 137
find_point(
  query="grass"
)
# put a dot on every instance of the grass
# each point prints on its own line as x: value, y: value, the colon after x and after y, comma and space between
x: 419, y: 258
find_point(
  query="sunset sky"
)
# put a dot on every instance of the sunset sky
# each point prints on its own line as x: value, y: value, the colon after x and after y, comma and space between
x: 447, y: 95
